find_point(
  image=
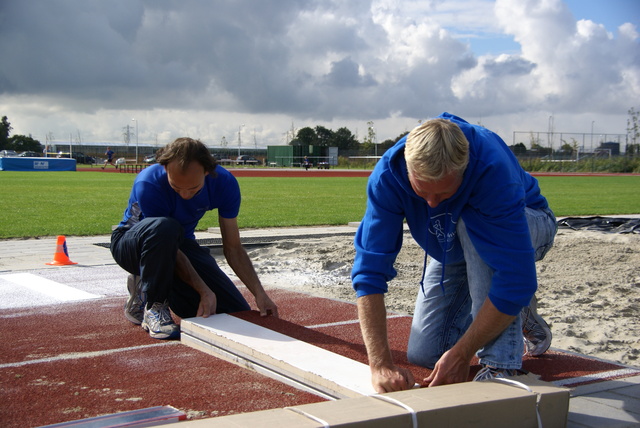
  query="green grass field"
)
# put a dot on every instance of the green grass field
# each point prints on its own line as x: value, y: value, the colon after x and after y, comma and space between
x: 580, y: 196
x: 88, y: 203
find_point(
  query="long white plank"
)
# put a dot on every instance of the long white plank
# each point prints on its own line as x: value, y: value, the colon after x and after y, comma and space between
x: 332, y: 374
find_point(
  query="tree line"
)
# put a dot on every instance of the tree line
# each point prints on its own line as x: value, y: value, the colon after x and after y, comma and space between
x: 346, y: 141
x: 343, y: 139
x: 18, y: 143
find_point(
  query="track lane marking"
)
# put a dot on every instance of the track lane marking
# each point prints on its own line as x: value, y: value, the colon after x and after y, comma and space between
x: 55, y: 290
x: 81, y: 355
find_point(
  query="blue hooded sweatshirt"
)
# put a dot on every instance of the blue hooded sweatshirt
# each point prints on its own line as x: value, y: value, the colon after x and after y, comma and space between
x: 491, y: 200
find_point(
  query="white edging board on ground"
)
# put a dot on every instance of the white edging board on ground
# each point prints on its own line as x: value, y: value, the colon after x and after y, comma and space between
x: 267, y: 351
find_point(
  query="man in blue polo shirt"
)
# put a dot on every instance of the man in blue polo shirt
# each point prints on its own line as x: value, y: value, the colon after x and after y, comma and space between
x: 155, y: 242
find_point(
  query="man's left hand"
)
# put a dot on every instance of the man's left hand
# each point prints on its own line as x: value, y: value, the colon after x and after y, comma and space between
x: 266, y: 305
x: 450, y: 368
x: 453, y: 366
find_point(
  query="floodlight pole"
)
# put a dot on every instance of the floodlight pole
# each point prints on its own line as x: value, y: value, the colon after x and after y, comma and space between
x: 136, y: 139
x: 240, y: 138
x: 593, y: 155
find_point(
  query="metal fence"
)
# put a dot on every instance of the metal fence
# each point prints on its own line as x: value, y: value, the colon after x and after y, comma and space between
x: 582, y: 142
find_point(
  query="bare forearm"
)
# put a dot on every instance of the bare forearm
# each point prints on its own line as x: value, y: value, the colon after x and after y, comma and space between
x: 488, y: 324
x: 453, y: 365
x: 188, y: 274
x: 373, y: 323
x: 240, y: 263
x: 385, y: 376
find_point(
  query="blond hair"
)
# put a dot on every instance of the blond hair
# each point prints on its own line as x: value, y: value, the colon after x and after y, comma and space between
x: 436, y: 149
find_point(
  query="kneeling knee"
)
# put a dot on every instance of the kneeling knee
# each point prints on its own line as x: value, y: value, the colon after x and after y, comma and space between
x: 422, y: 358
x: 165, y: 227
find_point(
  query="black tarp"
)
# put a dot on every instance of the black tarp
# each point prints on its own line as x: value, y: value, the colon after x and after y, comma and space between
x: 601, y: 224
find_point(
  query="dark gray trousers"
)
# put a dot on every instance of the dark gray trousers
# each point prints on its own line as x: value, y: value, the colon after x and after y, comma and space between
x: 149, y: 249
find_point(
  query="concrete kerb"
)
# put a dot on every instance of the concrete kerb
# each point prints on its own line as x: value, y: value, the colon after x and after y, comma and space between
x: 28, y: 254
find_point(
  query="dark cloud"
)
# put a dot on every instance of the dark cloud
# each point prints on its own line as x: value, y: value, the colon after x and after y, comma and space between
x: 345, y: 73
x: 511, y: 66
x: 311, y: 59
x: 265, y: 56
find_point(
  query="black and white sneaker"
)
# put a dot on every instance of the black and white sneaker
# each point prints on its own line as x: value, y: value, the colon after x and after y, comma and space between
x: 536, y: 332
x: 159, y: 323
x: 489, y: 372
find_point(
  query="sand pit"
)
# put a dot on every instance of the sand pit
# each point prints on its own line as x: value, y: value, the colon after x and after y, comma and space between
x: 589, y: 285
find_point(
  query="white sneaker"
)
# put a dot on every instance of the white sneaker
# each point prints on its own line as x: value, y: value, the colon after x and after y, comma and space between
x: 159, y: 323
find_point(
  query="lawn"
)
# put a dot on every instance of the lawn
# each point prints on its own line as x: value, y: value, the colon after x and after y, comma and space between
x: 90, y: 203
x: 592, y: 195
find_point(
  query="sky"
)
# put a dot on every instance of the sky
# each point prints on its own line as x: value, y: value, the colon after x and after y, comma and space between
x: 83, y: 71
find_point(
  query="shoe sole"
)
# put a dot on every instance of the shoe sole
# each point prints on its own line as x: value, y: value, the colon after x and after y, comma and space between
x: 130, y: 317
x: 516, y: 373
x: 543, y: 346
x: 129, y: 304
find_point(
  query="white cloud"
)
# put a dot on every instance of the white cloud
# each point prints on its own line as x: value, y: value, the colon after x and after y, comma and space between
x: 204, y: 68
x: 564, y: 65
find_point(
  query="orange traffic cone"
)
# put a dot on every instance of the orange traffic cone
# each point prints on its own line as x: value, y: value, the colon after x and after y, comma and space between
x: 61, y: 257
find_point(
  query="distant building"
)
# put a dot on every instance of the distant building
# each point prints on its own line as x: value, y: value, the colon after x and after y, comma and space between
x: 609, y: 148
x: 286, y: 156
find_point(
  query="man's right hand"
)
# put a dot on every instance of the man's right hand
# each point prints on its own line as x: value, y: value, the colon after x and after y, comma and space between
x: 390, y: 379
x: 385, y: 376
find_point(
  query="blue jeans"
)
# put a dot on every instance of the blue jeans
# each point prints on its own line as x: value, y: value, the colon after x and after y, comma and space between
x: 149, y: 249
x: 440, y: 319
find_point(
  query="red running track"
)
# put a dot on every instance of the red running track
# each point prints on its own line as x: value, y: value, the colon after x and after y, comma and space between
x: 271, y: 172
x: 280, y: 172
x: 74, y: 361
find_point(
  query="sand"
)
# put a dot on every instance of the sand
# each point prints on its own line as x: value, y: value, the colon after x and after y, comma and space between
x: 589, y: 285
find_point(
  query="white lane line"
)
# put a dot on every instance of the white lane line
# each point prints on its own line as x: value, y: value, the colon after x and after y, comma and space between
x: 59, y: 292
x: 337, y: 323
x: 596, y: 376
x: 79, y: 355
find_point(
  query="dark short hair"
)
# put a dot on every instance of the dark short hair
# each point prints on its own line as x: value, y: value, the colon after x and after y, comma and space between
x: 185, y: 150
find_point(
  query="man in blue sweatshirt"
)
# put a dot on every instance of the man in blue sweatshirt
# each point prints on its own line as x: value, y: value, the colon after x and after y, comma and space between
x: 483, y: 222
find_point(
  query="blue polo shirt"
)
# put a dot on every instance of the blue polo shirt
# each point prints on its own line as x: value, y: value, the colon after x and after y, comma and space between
x: 152, y: 196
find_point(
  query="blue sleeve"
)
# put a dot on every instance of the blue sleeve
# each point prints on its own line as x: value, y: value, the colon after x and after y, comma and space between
x: 496, y: 221
x: 379, y: 238
x: 227, y: 192
x: 498, y: 228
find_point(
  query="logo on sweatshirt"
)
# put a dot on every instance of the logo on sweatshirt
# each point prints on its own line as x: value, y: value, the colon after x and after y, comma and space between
x: 444, y: 229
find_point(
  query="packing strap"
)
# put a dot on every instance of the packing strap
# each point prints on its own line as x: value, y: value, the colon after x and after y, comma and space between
x: 525, y: 387
x: 309, y: 415
x: 414, y: 416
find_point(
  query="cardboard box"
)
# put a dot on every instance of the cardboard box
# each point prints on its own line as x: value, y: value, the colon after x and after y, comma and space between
x: 470, y: 404
x: 553, y: 401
